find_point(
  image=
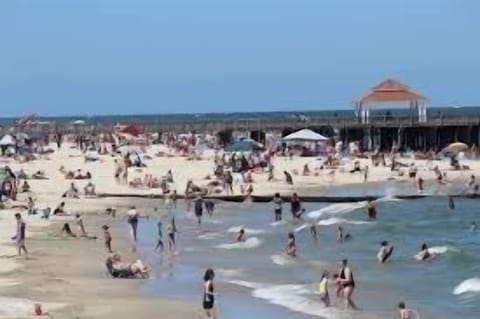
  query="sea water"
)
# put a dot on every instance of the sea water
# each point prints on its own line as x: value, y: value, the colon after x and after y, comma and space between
x: 255, y: 279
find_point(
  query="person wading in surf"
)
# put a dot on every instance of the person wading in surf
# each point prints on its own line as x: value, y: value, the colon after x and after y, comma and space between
x: 345, y: 278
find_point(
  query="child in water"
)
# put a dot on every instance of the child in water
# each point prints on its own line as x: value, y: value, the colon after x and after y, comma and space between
x: 323, y: 289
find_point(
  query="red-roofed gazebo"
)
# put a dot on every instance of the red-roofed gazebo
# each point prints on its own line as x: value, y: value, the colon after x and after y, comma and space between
x: 391, y: 91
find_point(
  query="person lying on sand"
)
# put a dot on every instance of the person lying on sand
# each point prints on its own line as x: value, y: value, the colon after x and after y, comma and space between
x: 136, y: 268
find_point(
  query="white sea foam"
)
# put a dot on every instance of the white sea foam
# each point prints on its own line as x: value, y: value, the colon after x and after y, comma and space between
x: 335, y: 209
x: 281, y: 260
x: 251, y: 242
x: 439, y: 250
x: 302, y: 227
x: 21, y: 308
x: 208, y: 236
x: 279, y: 223
x: 251, y: 231
x: 335, y: 220
x: 469, y: 285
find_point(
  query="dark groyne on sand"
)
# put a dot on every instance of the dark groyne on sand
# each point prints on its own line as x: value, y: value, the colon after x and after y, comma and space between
x: 306, y: 199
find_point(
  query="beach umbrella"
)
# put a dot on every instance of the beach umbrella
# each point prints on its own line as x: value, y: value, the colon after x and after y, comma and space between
x: 456, y: 148
x: 7, y: 140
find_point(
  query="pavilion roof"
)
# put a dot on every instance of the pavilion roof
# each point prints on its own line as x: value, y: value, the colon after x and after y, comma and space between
x: 390, y: 90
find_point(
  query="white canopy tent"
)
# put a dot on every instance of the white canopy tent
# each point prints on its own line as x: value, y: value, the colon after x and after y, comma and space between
x: 305, y: 135
x: 7, y: 140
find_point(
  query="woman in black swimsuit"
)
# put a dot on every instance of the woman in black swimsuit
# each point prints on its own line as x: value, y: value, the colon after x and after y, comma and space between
x: 296, y: 207
x: 208, y: 293
x: 345, y: 278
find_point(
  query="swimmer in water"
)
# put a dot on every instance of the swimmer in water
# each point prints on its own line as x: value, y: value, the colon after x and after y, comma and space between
x: 313, y: 231
x: 371, y: 210
x: 405, y: 313
x: 473, y: 226
x: 385, y: 252
x: 423, y: 254
x: 451, y: 203
x: 241, y: 236
x: 291, y: 248
x: 340, y: 234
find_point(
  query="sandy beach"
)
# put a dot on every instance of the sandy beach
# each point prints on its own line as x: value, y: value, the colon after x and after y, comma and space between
x: 67, y: 276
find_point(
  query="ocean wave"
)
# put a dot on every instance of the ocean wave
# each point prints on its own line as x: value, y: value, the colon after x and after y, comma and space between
x: 335, y: 220
x: 440, y: 250
x: 251, y: 231
x: 335, y: 209
x: 208, y: 236
x: 251, y: 242
x: 293, y: 297
x: 469, y: 285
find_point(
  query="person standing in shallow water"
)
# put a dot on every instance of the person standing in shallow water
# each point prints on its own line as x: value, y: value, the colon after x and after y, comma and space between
x: 209, y: 294
x: 371, y: 209
x: 451, y: 203
x: 20, y: 235
x: 277, y: 207
x: 132, y: 219
x: 346, y: 280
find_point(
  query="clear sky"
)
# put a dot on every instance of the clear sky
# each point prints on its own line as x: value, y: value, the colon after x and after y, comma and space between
x: 162, y: 56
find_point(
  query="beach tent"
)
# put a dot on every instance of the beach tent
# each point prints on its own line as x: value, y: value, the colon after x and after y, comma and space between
x: 244, y: 145
x: 305, y: 135
x: 7, y: 140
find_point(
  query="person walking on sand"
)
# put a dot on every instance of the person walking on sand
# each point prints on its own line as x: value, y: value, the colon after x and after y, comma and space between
x: 277, y: 207
x: 345, y: 278
x: 20, y: 235
x: 209, y: 294
x: 107, y: 237
x: 132, y: 219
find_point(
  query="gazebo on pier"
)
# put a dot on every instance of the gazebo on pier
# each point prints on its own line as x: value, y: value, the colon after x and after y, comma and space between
x: 390, y: 91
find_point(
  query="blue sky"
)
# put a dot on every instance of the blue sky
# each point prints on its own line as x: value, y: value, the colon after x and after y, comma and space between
x: 164, y: 56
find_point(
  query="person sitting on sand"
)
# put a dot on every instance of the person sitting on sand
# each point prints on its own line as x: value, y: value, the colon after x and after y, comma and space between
x: 60, y: 210
x: 89, y: 189
x: 241, y: 236
x: 306, y: 170
x: 288, y: 178
x: 25, y: 187
x: 385, y: 252
x: 72, y: 191
x: 291, y: 248
x: 169, y: 176
x: 423, y: 254
x: 356, y: 167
